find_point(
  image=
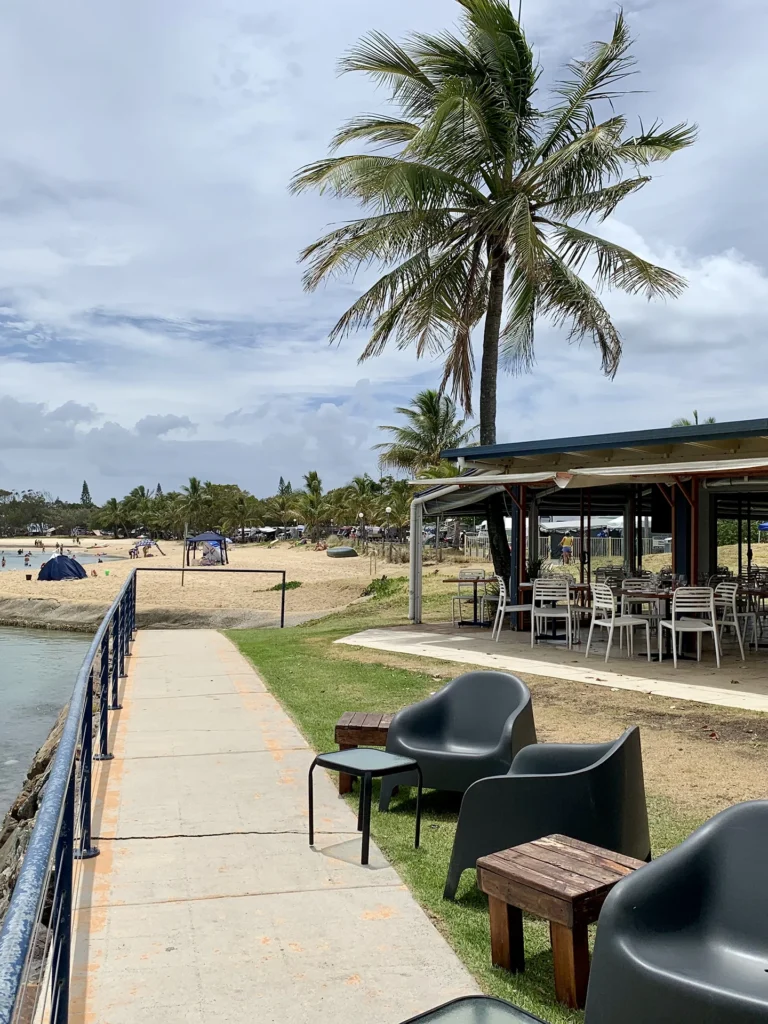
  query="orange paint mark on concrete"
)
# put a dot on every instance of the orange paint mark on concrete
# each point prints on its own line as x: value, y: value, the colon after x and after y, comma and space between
x: 274, y: 748
x: 265, y: 941
x: 287, y: 777
x: 353, y: 979
x: 380, y: 913
x: 295, y: 947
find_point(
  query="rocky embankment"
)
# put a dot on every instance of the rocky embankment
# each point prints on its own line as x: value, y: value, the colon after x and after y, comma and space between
x: 20, y: 819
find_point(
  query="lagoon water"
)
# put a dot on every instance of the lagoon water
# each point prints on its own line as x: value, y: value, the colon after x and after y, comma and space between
x: 38, y: 668
x: 13, y: 560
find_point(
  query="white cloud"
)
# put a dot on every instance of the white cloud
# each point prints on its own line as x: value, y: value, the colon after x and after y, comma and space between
x: 152, y: 321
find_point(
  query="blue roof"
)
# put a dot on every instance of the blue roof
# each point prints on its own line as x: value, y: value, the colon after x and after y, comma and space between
x: 623, y: 439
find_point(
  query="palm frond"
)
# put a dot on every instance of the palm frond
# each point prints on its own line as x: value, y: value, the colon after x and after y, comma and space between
x: 377, y: 129
x: 596, y: 78
x: 391, y: 65
x: 516, y: 340
x: 615, y: 265
x: 601, y: 201
x: 656, y: 145
x: 569, y: 302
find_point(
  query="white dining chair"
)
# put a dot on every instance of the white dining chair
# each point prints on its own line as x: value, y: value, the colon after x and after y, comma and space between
x: 688, y: 602
x: 635, y: 599
x: 548, y: 596
x: 466, y: 592
x: 728, y: 613
x: 604, y: 615
x: 503, y: 608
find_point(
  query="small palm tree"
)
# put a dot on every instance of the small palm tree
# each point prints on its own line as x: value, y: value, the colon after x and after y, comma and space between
x: 194, y: 502
x: 432, y: 426
x: 312, y: 482
x: 112, y: 516
x: 281, y: 507
x: 683, y: 421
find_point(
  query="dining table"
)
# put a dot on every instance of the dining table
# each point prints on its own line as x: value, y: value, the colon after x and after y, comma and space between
x: 474, y: 583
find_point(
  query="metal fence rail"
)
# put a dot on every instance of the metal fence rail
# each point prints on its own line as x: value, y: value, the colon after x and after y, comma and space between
x: 36, y: 936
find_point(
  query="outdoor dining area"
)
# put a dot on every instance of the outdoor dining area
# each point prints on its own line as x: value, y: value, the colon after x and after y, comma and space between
x: 677, y: 483
x: 671, y: 617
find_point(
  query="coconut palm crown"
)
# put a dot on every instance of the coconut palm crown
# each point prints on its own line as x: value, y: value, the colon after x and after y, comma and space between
x: 474, y: 198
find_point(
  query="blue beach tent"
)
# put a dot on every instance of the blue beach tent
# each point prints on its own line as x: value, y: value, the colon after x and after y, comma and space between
x: 61, y: 567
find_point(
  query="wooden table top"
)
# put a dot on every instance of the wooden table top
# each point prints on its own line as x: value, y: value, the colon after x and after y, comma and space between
x: 556, y: 877
x: 365, y: 728
x: 469, y: 579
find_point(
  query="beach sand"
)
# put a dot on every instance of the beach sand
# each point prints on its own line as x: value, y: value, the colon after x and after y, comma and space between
x: 326, y: 584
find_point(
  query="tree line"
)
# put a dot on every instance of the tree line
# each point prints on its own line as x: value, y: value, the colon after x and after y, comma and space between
x: 431, y: 424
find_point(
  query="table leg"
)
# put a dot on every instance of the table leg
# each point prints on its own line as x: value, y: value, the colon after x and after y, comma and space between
x: 570, y: 952
x: 345, y: 781
x: 366, y: 786
x: 507, y: 949
x: 418, y: 809
x: 310, y: 795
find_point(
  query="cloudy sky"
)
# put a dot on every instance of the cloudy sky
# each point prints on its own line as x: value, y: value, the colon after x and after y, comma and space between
x: 152, y: 321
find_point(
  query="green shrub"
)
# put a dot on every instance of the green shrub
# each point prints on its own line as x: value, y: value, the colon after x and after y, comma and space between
x: 290, y: 585
x: 386, y: 586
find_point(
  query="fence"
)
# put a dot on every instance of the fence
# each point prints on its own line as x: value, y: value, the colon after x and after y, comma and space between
x: 476, y: 546
x: 36, y: 937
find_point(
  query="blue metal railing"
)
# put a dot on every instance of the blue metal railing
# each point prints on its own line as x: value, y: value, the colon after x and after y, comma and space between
x: 36, y: 936
x: 35, y: 941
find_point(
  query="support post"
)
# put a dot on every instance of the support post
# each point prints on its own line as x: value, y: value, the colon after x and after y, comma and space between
x: 282, y: 603
x: 122, y: 635
x: 103, y: 754
x: 414, y: 568
x: 115, y: 630
x: 85, y: 850
x: 62, y: 910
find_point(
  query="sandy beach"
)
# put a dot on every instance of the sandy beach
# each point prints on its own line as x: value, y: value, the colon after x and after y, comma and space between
x: 326, y: 584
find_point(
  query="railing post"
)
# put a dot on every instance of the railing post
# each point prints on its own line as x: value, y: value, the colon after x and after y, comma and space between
x: 122, y: 634
x: 282, y: 603
x: 85, y: 850
x: 103, y: 754
x: 115, y: 704
x: 133, y: 603
x: 62, y: 909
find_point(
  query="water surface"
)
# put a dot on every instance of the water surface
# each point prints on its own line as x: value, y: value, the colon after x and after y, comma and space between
x: 38, y: 668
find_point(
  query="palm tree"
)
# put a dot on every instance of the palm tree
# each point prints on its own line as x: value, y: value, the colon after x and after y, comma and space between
x: 312, y: 482
x: 432, y: 426
x: 281, y: 507
x: 242, y: 510
x: 474, y: 205
x: 111, y: 516
x: 313, y: 510
x: 194, y: 502
x: 685, y: 422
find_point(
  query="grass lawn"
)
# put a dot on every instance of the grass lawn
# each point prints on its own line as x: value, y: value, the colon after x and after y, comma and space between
x: 316, y: 682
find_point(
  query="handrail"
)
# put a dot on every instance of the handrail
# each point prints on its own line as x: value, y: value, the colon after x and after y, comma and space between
x: 53, y: 835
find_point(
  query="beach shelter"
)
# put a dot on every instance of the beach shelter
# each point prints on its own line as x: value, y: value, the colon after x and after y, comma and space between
x: 211, y: 538
x: 61, y: 567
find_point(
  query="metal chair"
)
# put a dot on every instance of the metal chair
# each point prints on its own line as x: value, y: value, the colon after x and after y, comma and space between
x: 548, y: 594
x: 634, y: 605
x: 604, y: 614
x: 466, y: 592
x: 502, y: 609
x: 687, y: 602
x: 727, y: 605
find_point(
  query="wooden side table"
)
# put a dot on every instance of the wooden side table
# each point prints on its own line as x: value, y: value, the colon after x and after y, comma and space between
x: 562, y: 880
x: 360, y: 729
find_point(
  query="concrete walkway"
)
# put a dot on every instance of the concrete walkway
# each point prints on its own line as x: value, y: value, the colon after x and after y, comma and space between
x: 514, y: 654
x: 206, y: 902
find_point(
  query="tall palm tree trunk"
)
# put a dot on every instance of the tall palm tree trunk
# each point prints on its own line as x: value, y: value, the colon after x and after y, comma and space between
x: 489, y: 371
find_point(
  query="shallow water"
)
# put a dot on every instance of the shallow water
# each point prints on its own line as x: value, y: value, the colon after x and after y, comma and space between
x: 38, y: 669
x: 13, y: 560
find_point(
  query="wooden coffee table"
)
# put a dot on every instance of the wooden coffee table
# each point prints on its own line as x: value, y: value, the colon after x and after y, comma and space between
x: 562, y: 880
x: 360, y: 729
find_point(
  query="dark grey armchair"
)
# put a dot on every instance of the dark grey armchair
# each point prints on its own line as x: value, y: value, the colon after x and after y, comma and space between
x: 686, y: 938
x: 471, y: 728
x: 475, y: 1010
x: 592, y: 791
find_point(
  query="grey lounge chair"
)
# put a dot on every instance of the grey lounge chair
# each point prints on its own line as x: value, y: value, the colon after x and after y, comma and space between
x: 475, y: 1010
x: 686, y: 938
x: 591, y: 791
x: 471, y: 728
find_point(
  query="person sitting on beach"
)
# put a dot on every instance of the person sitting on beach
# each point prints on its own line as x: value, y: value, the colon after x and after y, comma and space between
x: 3, y: 562
x: 93, y: 571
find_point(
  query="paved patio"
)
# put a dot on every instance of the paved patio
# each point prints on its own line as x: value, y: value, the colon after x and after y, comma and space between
x: 737, y: 684
x: 206, y: 902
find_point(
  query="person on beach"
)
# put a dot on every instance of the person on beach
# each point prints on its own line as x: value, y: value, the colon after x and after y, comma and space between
x: 566, y: 548
x: 2, y: 564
